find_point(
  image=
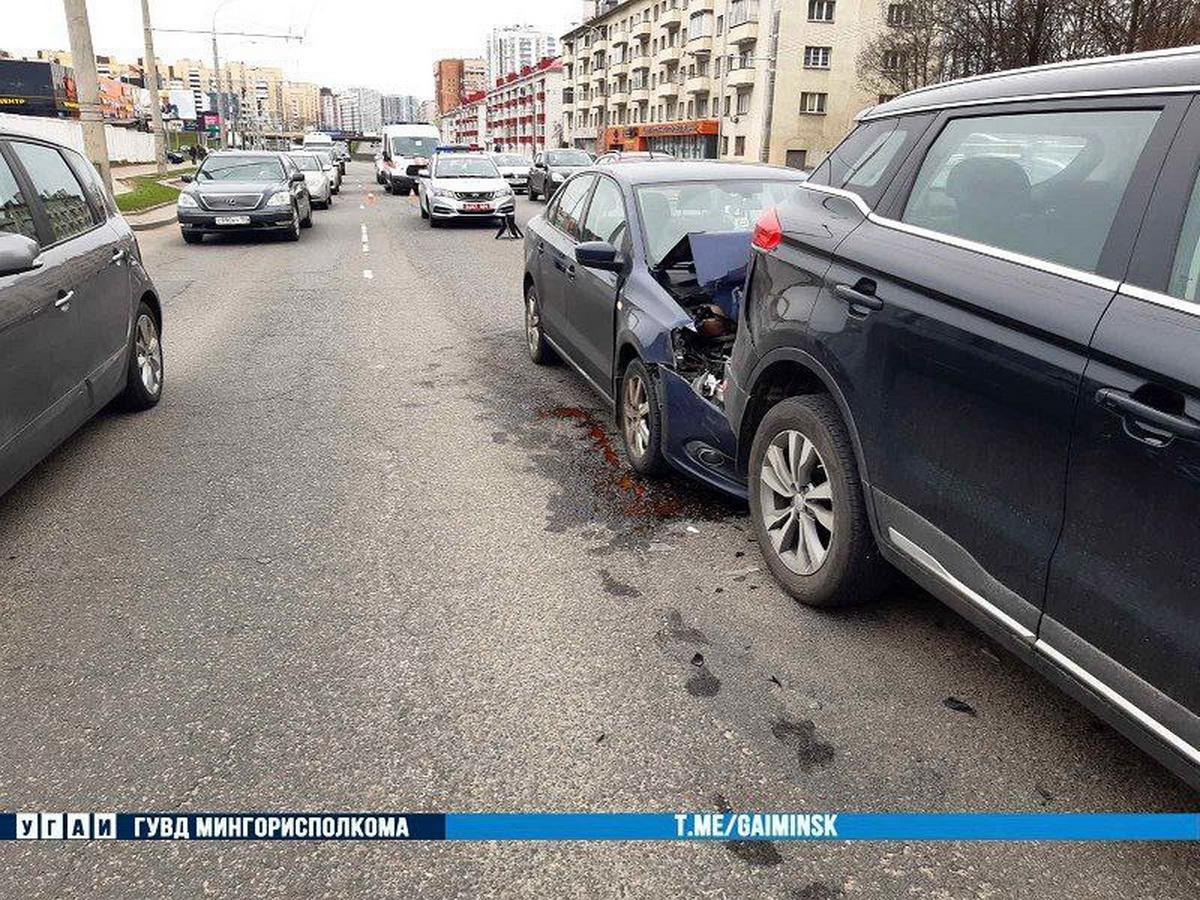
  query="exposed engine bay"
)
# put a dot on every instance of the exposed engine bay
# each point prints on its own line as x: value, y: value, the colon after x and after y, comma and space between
x: 704, y: 274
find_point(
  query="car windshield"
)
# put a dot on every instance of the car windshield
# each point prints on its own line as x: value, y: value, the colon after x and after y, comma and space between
x: 414, y: 146
x: 512, y: 159
x: 306, y: 162
x: 466, y: 167
x: 326, y: 158
x: 241, y: 168
x: 670, y: 211
x: 568, y: 158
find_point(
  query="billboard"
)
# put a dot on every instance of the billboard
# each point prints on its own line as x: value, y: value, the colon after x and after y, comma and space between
x: 37, y: 88
x: 182, y: 103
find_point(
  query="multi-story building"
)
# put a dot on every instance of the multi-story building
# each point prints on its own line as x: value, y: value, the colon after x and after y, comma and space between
x: 301, y: 106
x: 513, y: 47
x: 360, y: 110
x: 400, y: 108
x: 454, y: 79
x: 524, y: 109
x: 770, y: 80
x: 329, y: 119
x: 467, y: 123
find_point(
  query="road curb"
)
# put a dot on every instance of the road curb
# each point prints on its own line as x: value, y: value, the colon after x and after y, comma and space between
x: 146, y: 225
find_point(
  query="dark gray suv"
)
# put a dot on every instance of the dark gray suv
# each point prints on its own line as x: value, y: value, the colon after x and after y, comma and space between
x: 79, y: 317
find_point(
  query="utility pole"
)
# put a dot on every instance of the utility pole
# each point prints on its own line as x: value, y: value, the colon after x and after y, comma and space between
x: 150, y: 82
x: 222, y: 103
x: 87, y: 82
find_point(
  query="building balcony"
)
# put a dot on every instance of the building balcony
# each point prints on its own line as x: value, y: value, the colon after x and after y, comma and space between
x: 599, y: 45
x: 620, y: 92
x: 618, y: 38
x: 700, y: 44
x: 742, y: 77
x: 743, y: 32
x: 668, y: 88
x: 668, y: 55
x: 671, y: 18
x: 639, y: 94
x: 698, y: 84
x: 598, y: 101
x: 599, y: 74
x: 641, y: 30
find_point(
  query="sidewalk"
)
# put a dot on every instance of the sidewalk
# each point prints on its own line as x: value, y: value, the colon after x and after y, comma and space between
x: 156, y: 217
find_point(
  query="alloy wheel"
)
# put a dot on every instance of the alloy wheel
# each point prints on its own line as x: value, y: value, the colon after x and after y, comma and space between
x: 149, y: 355
x: 635, y: 413
x: 796, y: 501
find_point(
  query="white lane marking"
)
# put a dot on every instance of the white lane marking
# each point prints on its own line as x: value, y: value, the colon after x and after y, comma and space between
x: 368, y: 274
x: 362, y: 206
x: 364, y: 234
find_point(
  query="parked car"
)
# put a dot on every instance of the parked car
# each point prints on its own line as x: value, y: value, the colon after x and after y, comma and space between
x: 614, y: 156
x: 80, y: 319
x: 462, y: 186
x: 632, y: 276
x: 331, y: 169
x: 174, y: 156
x: 514, y: 167
x: 551, y: 168
x: 244, y: 191
x: 967, y: 350
x: 318, y: 178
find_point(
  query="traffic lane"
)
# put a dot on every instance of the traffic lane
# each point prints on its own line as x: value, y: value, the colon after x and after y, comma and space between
x: 966, y: 726
x: 505, y: 674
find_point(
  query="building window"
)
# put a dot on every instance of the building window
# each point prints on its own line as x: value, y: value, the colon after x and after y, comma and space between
x: 817, y: 57
x: 701, y: 107
x: 739, y: 146
x: 812, y: 102
x: 728, y: 104
x: 743, y: 103
x: 797, y: 159
x: 900, y: 14
x: 820, y: 10
x: 894, y: 60
x: 725, y: 146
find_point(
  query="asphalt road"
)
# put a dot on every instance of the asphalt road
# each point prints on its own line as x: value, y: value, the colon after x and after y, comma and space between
x: 366, y: 556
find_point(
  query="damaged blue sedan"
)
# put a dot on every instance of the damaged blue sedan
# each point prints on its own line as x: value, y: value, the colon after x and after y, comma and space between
x: 633, y: 276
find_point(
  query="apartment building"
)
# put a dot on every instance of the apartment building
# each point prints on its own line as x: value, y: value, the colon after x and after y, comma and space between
x: 513, y: 47
x: 360, y: 110
x: 454, y: 79
x: 772, y: 80
x: 301, y: 106
x: 524, y: 109
x: 467, y: 123
x: 399, y: 108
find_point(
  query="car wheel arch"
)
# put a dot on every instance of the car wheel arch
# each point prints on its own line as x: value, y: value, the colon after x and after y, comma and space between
x: 790, y: 372
x: 151, y: 300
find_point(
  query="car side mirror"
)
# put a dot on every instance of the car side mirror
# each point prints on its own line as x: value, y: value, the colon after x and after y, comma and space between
x: 599, y: 255
x: 18, y: 254
x: 296, y: 178
x: 186, y: 179
x: 417, y: 171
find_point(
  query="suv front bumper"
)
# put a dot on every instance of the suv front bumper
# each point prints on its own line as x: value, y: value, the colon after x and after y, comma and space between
x: 202, y: 221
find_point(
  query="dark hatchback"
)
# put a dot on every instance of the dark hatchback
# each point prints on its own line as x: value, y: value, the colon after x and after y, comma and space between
x: 239, y: 191
x: 632, y: 276
x: 968, y: 348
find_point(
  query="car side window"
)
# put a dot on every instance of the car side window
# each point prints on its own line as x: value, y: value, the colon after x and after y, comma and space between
x: 101, y: 200
x: 865, y: 161
x: 1185, y: 273
x: 62, y: 195
x: 606, y: 219
x: 15, y: 214
x: 569, y: 211
x: 1046, y: 185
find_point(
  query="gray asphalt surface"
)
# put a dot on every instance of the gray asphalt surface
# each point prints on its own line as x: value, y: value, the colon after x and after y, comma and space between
x: 366, y: 556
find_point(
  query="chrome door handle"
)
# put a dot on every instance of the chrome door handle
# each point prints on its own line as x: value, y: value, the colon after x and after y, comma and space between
x: 64, y: 300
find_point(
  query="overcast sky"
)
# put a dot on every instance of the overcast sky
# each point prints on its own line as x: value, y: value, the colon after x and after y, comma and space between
x: 386, y: 45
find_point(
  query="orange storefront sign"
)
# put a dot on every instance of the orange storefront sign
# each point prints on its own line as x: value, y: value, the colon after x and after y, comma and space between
x: 635, y: 137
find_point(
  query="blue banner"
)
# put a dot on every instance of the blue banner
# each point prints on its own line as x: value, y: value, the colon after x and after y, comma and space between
x: 691, y: 826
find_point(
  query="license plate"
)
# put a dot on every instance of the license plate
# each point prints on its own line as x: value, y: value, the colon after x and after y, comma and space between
x: 233, y: 220
x: 478, y: 207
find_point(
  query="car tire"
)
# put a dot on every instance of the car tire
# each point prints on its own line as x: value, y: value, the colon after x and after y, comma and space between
x: 144, y: 369
x: 818, y: 544
x: 190, y: 237
x: 639, y: 418
x: 539, y: 348
x: 404, y: 192
x: 434, y: 222
x: 424, y: 212
x: 533, y: 195
x: 306, y: 222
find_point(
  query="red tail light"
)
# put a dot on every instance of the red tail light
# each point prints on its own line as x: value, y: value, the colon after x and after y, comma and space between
x: 768, y: 232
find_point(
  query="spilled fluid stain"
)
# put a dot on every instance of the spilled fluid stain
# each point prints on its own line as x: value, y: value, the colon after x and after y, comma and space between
x: 675, y: 631
x: 703, y: 683
x: 817, y: 890
x: 617, y: 588
x: 800, y: 735
x: 757, y: 853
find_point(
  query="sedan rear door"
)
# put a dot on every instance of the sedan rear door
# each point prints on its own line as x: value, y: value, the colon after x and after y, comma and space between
x: 557, y: 248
